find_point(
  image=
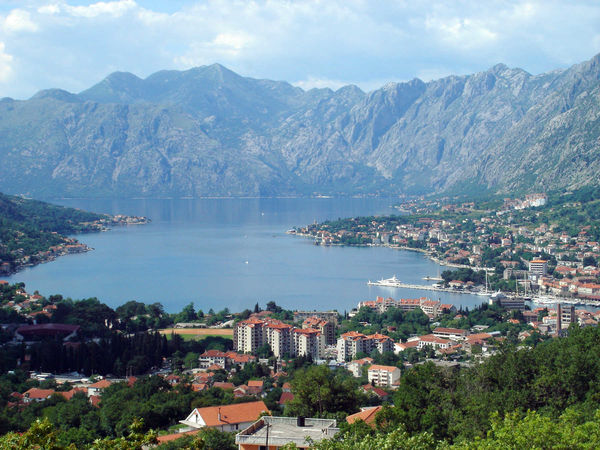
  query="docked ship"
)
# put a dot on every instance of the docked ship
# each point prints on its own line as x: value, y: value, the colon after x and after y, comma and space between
x: 387, y: 282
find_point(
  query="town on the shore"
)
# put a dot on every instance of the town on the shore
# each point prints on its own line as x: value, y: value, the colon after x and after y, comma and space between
x: 375, y: 343
x: 264, y: 378
x: 517, y: 248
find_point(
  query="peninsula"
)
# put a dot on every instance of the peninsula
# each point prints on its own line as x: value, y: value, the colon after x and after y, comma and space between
x: 34, y: 232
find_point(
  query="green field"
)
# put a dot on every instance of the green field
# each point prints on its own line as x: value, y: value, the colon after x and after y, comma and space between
x: 197, y: 337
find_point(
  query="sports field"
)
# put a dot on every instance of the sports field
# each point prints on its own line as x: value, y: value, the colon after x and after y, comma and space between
x: 198, y: 333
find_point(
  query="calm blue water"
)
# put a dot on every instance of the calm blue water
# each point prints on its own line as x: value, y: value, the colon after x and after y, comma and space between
x: 230, y: 253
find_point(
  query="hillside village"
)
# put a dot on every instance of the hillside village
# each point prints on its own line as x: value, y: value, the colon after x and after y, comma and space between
x: 522, y: 245
x: 257, y: 375
x: 374, y: 345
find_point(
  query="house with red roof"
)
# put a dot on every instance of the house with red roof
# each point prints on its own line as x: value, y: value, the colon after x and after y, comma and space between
x: 98, y: 387
x: 37, y: 395
x: 226, y: 418
x: 285, y: 397
x: 401, y: 346
x: 373, y: 390
x: 367, y: 415
x: 434, y: 342
x: 357, y: 366
x: 255, y: 387
x: 68, y: 395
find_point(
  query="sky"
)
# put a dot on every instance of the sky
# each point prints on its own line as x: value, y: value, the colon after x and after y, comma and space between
x: 73, y: 44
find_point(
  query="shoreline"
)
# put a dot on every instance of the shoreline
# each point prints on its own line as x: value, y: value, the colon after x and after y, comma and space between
x: 72, y: 246
x: 553, y: 299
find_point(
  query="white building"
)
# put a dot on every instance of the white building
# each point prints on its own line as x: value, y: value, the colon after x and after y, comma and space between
x: 308, y: 341
x: 385, y: 376
x: 226, y: 418
x: 357, y: 366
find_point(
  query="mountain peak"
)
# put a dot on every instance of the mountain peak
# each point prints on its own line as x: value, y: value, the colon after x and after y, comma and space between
x: 57, y: 94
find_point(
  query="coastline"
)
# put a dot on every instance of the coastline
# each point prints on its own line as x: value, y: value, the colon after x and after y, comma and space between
x: 71, y: 246
x: 539, y: 299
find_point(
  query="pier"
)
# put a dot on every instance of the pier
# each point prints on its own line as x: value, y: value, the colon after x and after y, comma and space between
x: 395, y: 283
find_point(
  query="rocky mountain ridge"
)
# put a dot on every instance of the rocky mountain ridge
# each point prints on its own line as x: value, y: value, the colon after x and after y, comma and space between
x: 210, y: 132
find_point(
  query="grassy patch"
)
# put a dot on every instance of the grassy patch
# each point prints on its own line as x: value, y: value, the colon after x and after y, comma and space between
x: 197, y: 337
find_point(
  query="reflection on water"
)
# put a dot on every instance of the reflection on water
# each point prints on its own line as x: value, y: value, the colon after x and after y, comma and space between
x: 231, y: 253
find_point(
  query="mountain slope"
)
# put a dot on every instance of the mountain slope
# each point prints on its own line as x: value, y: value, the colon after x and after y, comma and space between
x: 208, y: 131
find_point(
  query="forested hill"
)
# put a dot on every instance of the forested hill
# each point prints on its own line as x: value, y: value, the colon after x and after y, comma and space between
x: 32, y: 231
x: 208, y: 131
x: 45, y: 217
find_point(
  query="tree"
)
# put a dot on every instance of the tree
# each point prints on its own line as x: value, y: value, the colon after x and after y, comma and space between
x: 318, y: 391
x: 589, y: 261
x: 213, y: 439
x: 187, y: 314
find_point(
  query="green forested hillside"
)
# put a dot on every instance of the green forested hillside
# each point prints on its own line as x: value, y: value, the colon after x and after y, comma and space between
x: 29, y: 228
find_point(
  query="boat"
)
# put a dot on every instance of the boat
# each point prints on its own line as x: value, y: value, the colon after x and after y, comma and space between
x: 388, y: 282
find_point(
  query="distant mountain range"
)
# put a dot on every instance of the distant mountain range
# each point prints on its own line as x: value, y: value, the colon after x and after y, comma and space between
x: 210, y: 132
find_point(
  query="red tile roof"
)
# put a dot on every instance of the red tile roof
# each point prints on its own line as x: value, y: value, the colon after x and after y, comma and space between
x: 384, y: 368
x: 367, y: 415
x: 232, y: 414
x: 175, y: 436
x: 102, y: 384
x: 285, y: 397
x: 38, y: 394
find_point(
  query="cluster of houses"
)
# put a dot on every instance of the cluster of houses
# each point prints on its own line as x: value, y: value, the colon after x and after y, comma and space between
x: 21, y: 259
x: 28, y: 305
x: 92, y: 391
x: 431, y: 308
x: 466, y: 243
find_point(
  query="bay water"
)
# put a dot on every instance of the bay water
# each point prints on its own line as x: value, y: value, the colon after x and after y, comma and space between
x: 231, y: 253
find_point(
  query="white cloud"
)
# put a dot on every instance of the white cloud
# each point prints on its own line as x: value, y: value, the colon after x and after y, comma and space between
x: 318, y: 42
x: 49, y: 9
x: 6, y: 69
x: 19, y: 20
x: 115, y: 9
x: 461, y: 32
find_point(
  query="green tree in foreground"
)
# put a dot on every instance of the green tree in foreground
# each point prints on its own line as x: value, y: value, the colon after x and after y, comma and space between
x: 42, y: 435
x: 319, y: 392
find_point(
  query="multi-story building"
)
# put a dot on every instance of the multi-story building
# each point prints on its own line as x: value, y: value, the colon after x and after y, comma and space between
x: 430, y: 340
x: 538, y: 268
x: 383, y: 375
x: 331, y: 316
x: 565, y: 316
x: 357, y: 366
x: 450, y: 333
x: 429, y: 307
x: 379, y: 342
x: 349, y: 344
x: 279, y: 337
x: 212, y: 357
x: 283, y: 339
x: 307, y: 342
x: 223, y: 359
x: 248, y: 335
x: 326, y: 328
x: 352, y: 343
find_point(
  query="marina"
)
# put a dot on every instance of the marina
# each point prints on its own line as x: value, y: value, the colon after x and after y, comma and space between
x: 396, y: 283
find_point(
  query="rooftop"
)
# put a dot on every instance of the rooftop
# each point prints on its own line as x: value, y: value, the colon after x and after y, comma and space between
x: 283, y: 430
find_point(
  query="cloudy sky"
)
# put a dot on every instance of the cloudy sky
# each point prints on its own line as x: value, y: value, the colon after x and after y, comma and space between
x: 72, y: 44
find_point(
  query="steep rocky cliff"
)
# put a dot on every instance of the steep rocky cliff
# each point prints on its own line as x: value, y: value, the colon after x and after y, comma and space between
x: 208, y: 131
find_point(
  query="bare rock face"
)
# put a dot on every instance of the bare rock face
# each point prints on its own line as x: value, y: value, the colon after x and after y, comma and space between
x: 210, y: 132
